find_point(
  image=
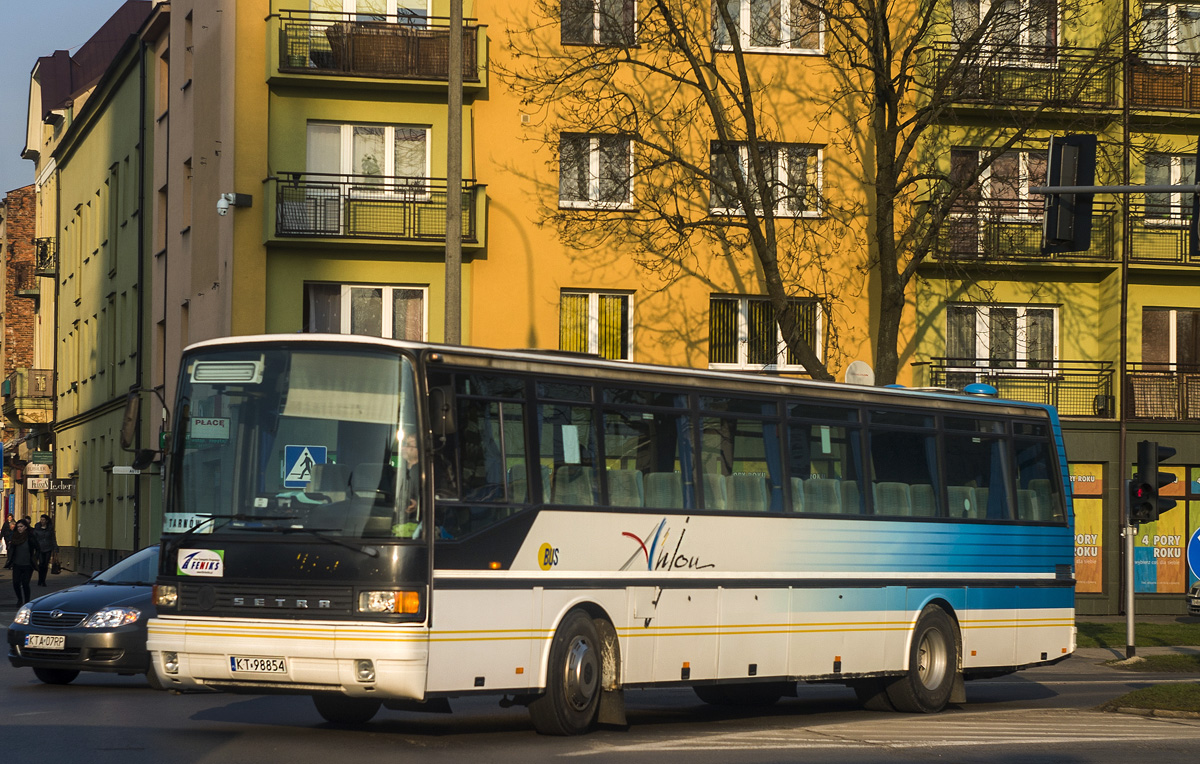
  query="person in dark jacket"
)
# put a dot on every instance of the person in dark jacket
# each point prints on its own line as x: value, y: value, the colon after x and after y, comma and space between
x: 6, y: 531
x: 47, y: 544
x: 22, y: 556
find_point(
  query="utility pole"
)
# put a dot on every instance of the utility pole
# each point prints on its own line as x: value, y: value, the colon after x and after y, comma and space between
x: 454, y: 178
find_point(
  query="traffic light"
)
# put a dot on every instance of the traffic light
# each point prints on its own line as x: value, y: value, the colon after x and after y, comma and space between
x: 1145, y: 505
x: 1067, y: 226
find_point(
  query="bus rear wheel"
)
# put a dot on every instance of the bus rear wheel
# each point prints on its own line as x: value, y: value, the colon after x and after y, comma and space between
x: 573, y: 679
x: 932, y: 665
x: 339, y: 709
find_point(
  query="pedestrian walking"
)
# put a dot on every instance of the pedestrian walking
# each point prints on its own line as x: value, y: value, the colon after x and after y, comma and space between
x: 6, y: 531
x: 22, y: 556
x: 47, y: 544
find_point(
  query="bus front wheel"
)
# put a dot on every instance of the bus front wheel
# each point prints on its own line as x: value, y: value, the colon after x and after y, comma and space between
x: 573, y: 679
x: 339, y: 709
x: 932, y: 665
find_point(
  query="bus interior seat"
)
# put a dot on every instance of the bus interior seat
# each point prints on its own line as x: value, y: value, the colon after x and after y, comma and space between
x: 893, y: 499
x: 823, y: 495
x: 625, y: 488
x: 715, y: 491
x: 368, y: 481
x: 749, y: 491
x: 924, y: 501
x: 1041, y: 487
x: 664, y: 490
x: 980, y: 510
x: 797, y: 495
x: 851, y: 497
x: 573, y: 485
x: 518, y: 485
x: 330, y: 479
x: 961, y: 499
x: 1027, y: 505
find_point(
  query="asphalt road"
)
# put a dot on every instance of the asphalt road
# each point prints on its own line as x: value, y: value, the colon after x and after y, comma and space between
x: 1044, y: 714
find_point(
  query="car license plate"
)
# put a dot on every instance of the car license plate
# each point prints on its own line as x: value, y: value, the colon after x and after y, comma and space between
x: 46, y: 641
x: 258, y: 665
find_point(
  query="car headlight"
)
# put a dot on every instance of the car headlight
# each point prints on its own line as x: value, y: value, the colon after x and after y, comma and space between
x: 112, y: 617
x: 23, y: 615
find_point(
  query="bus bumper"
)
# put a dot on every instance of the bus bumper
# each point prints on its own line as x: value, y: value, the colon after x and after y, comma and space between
x: 276, y: 657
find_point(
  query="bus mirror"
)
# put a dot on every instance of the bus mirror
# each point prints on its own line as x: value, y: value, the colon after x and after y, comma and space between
x: 441, y: 411
x: 130, y: 421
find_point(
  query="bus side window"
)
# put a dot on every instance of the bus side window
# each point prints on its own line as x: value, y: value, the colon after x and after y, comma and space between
x: 1038, y: 496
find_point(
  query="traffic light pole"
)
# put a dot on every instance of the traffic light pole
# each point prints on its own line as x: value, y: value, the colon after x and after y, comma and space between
x: 1130, y: 530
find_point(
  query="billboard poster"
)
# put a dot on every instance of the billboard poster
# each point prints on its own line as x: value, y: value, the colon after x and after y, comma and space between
x: 1087, y: 487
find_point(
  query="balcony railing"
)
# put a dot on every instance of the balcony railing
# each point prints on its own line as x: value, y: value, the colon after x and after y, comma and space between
x: 1168, y: 81
x: 369, y: 207
x: 1158, y: 233
x: 397, y: 47
x: 1076, y: 388
x: 45, y: 257
x: 1163, y: 391
x: 1002, y: 229
x: 1028, y: 74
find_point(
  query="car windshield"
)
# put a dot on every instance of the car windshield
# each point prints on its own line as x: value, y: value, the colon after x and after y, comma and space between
x: 138, y: 568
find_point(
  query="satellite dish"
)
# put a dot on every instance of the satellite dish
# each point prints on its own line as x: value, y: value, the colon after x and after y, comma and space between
x: 860, y: 373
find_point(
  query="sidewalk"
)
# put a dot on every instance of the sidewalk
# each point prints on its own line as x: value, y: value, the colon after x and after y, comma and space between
x: 8, y: 598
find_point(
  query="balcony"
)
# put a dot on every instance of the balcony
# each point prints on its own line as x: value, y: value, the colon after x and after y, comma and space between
x: 1158, y: 234
x: 372, y: 207
x: 1075, y: 388
x: 23, y: 278
x: 1004, y: 229
x: 45, y: 257
x: 1159, y: 391
x: 29, y: 396
x: 316, y: 45
x: 1028, y: 75
x: 1165, y: 81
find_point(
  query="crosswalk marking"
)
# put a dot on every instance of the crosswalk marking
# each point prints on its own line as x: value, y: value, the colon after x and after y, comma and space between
x: 944, y: 731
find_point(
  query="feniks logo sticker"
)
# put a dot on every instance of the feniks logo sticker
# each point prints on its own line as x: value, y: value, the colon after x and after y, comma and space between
x: 201, y: 562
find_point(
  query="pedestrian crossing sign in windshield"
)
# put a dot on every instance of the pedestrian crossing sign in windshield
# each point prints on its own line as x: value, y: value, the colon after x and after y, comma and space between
x: 298, y: 462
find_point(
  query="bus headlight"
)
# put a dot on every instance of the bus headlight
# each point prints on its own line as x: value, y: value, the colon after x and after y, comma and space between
x: 166, y: 595
x: 408, y: 602
x: 171, y: 662
x: 364, y: 671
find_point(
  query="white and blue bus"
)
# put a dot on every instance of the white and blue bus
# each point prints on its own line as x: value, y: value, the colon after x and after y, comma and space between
x: 380, y: 523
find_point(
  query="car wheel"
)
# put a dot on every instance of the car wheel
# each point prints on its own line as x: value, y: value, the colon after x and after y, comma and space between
x: 55, y: 676
x: 347, y: 711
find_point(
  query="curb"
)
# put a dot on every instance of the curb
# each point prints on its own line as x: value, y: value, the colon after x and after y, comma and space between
x: 1159, y: 713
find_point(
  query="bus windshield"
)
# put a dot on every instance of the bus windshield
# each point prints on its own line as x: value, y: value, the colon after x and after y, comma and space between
x: 304, y: 440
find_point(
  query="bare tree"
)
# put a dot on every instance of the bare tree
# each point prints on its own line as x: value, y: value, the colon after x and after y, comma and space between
x: 690, y: 137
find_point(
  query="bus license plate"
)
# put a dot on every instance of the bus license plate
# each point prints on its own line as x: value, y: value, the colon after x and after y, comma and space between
x: 46, y: 641
x: 258, y: 665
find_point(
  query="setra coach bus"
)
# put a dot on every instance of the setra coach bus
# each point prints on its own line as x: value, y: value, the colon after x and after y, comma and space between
x: 384, y: 523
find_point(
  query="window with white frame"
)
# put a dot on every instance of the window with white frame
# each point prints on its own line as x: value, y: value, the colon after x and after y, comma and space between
x: 371, y: 155
x: 793, y: 176
x: 599, y: 22
x: 1014, y: 26
x: 407, y: 11
x: 1001, y: 336
x: 1171, y: 32
x: 1169, y: 170
x: 595, y: 170
x: 394, y: 312
x: 600, y: 323
x: 768, y: 25
x: 743, y: 333
x: 1004, y: 184
x: 1170, y: 338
